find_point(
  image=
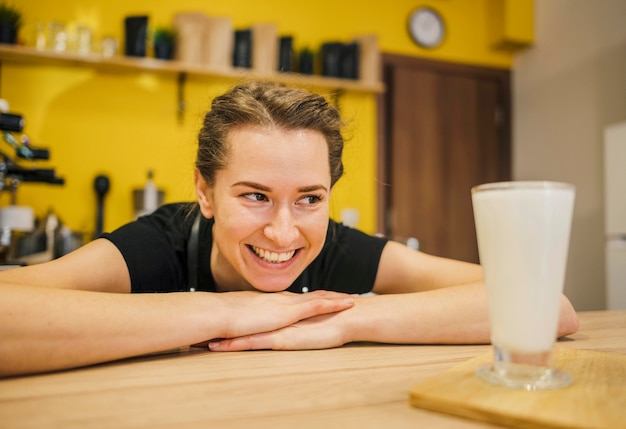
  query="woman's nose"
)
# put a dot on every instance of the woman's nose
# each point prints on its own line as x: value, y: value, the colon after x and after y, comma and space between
x: 282, y: 228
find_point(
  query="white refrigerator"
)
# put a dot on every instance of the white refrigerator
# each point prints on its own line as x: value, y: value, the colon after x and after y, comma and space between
x: 615, y: 214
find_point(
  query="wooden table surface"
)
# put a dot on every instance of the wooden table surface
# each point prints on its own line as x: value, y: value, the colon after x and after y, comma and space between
x: 355, y: 386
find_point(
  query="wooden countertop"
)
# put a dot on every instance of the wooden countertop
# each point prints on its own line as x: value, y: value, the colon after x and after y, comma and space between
x: 359, y: 385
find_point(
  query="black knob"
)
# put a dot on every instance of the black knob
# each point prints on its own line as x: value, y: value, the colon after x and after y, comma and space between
x: 101, y: 184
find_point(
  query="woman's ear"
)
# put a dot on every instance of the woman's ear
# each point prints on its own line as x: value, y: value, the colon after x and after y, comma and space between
x: 204, y: 193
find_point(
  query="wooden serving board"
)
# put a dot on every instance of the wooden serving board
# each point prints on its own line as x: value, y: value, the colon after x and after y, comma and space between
x: 595, y: 399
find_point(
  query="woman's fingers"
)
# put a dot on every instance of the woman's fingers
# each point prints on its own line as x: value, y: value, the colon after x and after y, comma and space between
x: 256, y: 312
x: 250, y: 342
x: 319, y: 332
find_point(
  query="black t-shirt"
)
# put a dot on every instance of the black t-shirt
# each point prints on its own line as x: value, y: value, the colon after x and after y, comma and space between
x: 155, y: 250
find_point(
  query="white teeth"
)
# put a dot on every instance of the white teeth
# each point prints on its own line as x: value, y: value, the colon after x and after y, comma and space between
x: 273, y: 257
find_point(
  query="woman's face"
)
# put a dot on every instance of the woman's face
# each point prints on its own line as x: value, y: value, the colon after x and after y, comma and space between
x: 270, y: 206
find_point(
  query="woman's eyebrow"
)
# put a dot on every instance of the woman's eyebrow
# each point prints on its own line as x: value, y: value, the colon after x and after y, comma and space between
x: 260, y: 187
x: 253, y: 185
x: 313, y: 188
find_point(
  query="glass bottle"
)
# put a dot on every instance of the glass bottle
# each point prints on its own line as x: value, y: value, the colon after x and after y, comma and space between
x: 5, y: 244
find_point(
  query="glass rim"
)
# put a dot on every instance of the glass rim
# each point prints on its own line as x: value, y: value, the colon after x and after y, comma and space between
x: 523, y: 184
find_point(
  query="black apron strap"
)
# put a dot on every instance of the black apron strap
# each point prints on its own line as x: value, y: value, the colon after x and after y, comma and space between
x: 192, y: 255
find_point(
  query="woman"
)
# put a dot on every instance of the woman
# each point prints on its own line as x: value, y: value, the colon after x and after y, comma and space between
x: 267, y: 160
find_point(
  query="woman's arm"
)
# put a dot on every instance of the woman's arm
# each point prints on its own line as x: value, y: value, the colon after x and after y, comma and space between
x: 47, y: 322
x: 404, y: 270
x: 451, y: 294
x: 452, y: 315
x: 46, y: 329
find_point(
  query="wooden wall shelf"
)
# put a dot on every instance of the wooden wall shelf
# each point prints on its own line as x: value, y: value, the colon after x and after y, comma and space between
x: 28, y: 55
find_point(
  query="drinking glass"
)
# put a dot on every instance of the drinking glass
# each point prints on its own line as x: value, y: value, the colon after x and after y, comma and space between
x: 523, y: 231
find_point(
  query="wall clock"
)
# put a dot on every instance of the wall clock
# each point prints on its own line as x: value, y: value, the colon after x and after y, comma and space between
x: 426, y: 27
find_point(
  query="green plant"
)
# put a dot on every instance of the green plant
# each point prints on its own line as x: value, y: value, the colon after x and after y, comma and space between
x: 10, y: 15
x: 164, y: 35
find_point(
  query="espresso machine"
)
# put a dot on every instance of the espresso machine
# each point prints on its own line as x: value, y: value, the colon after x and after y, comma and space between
x: 14, y: 171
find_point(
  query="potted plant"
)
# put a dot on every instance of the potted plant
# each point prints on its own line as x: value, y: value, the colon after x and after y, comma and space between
x: 164, y: 40
x: 10, y: 23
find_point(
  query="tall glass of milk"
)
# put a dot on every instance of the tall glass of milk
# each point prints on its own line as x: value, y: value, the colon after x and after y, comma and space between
x: 523, y: 231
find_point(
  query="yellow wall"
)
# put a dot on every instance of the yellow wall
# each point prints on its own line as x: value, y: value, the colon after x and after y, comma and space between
x: 122, y: 124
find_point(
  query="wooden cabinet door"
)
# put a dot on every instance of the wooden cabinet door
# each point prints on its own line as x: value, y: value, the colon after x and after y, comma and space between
x: 444, y: 129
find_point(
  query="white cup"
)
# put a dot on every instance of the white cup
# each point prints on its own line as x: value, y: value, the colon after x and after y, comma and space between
x: 523, y: 231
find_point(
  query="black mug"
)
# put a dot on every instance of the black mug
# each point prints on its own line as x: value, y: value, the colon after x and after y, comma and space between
x: 136, y: 32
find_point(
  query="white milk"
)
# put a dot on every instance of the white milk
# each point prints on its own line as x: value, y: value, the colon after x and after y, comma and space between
x: 523, y: 240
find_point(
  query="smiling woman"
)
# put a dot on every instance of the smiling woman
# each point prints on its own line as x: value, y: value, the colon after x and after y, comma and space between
x: 268, y: 158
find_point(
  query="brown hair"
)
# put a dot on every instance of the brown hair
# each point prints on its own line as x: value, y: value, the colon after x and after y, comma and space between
x: 266, y: 104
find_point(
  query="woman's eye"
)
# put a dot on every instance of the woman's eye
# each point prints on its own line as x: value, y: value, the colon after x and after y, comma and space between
x: 255, y: 196
x: 311, y: 199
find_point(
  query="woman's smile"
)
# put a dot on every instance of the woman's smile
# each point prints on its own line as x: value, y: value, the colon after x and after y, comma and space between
x: 271, y: 256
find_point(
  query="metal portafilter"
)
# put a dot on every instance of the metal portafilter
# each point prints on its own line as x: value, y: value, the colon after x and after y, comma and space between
x: 27, y: 151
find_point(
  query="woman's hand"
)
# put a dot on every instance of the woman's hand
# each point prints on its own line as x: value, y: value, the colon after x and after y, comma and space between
x: 249, y: 313
x: 318, y: 332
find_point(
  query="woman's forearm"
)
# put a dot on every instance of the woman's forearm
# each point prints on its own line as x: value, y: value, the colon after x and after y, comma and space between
x: 442, y: 316
x: 46, y: 329
x: 454, y: 315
